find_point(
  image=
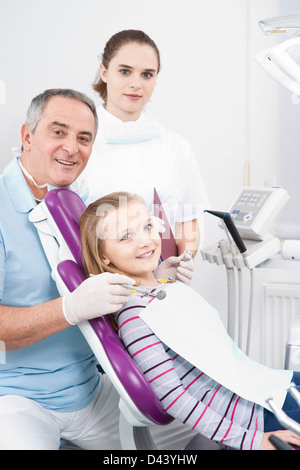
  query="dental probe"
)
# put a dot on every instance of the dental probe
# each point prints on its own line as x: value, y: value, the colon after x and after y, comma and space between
x: 161, y: 294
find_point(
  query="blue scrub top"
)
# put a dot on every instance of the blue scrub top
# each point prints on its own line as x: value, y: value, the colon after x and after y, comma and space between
x: 58, y: 372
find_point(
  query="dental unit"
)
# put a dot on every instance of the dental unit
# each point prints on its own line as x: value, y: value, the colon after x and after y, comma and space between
x: 247, y: 244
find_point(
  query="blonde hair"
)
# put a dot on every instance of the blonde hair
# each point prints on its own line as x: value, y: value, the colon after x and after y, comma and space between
x: 90, y: 222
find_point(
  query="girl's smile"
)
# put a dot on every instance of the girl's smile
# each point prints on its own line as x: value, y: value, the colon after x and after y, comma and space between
x: 147, y: 255
x: 131, y: 243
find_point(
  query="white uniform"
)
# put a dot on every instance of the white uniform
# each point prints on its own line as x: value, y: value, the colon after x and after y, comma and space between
x: 138, y: 156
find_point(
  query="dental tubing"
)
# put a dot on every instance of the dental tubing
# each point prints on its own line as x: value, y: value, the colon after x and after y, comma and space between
x: 226, y: 217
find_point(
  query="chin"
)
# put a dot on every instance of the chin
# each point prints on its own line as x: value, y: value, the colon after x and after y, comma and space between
x: 64, y: 182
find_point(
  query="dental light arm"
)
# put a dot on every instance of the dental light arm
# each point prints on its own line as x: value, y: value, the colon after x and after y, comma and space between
x: 286, y: 25
x: 281, y: 66
x: 277, y: 61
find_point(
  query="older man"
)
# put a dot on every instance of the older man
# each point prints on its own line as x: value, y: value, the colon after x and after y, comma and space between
x: 49, y: 385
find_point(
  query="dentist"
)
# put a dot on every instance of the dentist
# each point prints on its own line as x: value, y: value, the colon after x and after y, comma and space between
x: 49, y: 384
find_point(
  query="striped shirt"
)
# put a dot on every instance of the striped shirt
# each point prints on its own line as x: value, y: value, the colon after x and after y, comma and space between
x: 185, y: 392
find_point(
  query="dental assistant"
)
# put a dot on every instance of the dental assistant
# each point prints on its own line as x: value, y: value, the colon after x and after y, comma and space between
x: 50, y: 387
x: 132, y: 152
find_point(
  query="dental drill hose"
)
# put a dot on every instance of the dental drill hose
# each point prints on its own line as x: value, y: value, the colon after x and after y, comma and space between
x: 231, y: 294
x: 226, y: 217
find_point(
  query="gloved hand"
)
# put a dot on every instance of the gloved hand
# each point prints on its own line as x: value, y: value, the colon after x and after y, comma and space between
x: 174, y: 268
x: 96, y: 296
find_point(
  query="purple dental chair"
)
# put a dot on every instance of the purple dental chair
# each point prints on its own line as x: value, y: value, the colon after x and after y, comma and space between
x: 139, y: 406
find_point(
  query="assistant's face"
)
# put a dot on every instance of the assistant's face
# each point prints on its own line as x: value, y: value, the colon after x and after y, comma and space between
x: 58, y: 150
x: 130, y: 78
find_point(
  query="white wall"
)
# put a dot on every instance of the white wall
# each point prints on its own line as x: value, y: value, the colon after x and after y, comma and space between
x: 203, y: 89
x: 289, y: 148
x: 210, y: 88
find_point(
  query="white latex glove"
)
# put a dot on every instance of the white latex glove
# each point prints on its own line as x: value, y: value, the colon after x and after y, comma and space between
x: 175, y: 268
x: 96, y: 296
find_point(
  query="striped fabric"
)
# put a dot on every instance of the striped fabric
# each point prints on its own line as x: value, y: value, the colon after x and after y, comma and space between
x: 185, y: 392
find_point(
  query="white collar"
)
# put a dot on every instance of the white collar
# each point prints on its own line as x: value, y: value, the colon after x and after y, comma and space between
x: 114, y: 131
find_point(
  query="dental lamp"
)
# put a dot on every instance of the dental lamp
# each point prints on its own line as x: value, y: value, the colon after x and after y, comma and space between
x: 280, y: 61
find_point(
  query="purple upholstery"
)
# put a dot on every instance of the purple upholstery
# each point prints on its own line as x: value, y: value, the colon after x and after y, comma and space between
x: 60, y: 203
x: 66, y: 208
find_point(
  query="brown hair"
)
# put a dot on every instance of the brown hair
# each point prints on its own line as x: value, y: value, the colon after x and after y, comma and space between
x: 90, y: 221
x: 91, y: 242
x: 112, y: 47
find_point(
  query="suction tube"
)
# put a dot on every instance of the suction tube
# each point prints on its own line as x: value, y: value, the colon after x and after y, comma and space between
x: 231, y: 228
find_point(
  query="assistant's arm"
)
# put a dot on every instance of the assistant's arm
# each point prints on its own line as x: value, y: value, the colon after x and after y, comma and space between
x: 192, y: 199
x: 187, y: 236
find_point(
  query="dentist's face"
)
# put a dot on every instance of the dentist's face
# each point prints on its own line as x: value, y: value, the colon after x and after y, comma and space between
x: 59, y: 148
x: 130, y: 78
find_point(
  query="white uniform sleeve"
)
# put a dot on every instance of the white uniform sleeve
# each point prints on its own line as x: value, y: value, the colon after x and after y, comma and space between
x: 192, y: 194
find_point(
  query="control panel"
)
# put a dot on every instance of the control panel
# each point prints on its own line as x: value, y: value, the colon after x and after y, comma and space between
x: 255, y: 209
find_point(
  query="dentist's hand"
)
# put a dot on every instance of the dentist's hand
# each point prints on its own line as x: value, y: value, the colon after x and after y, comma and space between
x: 175, y: 268
x: 96, y: 296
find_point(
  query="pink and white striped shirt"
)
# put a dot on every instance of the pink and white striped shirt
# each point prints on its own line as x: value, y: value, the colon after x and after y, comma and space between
x: 187, y: 393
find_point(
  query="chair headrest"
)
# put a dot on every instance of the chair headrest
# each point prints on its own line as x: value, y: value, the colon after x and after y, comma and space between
x: 66, y: 207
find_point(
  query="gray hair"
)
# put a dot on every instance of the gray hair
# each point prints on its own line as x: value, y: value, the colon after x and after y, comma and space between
x: 38, y: 104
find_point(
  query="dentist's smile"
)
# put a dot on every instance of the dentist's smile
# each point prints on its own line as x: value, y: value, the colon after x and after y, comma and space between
x: 65, y: 162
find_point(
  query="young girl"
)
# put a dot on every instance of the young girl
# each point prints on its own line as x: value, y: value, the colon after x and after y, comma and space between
x: 118, y: 235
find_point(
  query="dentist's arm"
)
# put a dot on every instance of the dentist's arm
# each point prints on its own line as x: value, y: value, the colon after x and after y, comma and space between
x: 98, y: 295
x: 23, y: 326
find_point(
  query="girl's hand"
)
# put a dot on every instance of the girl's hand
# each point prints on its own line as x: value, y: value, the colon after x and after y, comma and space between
x: 287, y: 436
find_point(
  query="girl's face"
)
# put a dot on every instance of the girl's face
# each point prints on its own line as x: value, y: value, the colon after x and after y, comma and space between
x: 130, y: 78
x: 131, y: 243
